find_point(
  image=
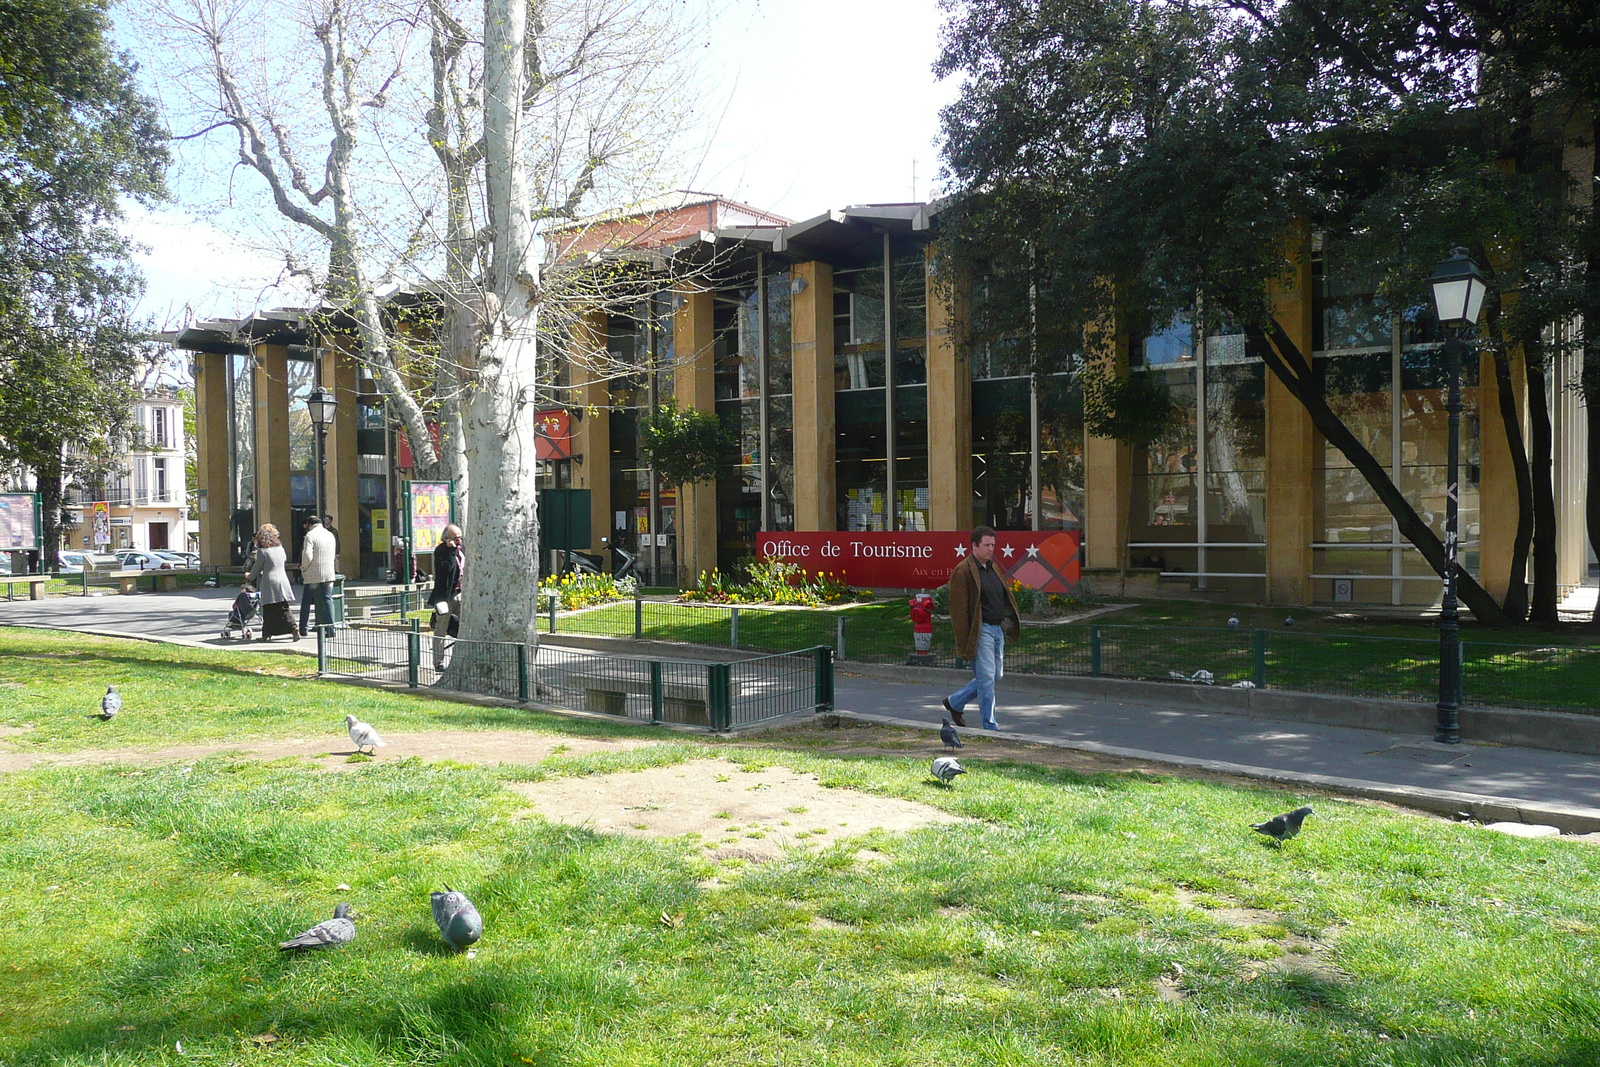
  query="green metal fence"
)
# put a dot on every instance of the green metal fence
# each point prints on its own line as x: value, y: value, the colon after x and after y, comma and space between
x: 714, y: 696
x: 1392, y: 668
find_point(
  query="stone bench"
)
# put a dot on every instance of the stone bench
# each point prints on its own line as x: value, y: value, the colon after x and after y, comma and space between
x: 32, y: 581
x: 681, y: 702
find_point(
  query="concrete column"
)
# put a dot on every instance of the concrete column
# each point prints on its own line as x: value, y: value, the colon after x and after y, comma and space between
x: 271, y: 391
x: 591, y: 434
x: 1107, y: 468
x: 816, y: 505
x: 344, y: 502
x: 1291, y: 440
x: 213, y: 457
x: 949, y: 399
x: 1497, y: 480
x: 695, y: 381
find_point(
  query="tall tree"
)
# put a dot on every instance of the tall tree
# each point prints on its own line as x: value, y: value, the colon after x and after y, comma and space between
x: 1161, y: 159
x: 75, y: 137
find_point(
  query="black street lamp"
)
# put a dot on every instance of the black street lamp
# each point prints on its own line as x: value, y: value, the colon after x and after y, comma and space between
x: 1458, y: 290
x: 321, y: 405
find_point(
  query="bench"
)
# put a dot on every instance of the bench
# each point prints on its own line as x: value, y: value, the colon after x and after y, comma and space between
x: 32, y: 581
x: 128, y: 580
x: 681, y: 702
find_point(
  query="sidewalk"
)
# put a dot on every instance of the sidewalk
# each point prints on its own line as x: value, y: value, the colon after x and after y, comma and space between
x: 1490, y: 782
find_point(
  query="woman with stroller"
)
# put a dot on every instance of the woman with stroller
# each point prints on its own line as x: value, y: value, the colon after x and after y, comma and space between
x: 445, y: 597
x: 270, y: 574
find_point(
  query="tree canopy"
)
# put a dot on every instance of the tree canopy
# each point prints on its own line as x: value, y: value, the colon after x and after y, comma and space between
x: 1129, y: 161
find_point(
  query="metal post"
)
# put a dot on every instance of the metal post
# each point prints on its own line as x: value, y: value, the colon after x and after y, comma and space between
x: 638, y: 614
x: 1261, y: 659
x: 84, y: 575
x: 655, y: 691
x: 1094, y: 651
x: 824, y: 677
x: 719, y: 695
x: 1447, y: 730
x: 552, y: 598
x: 733, y: 627
x: 524, y: 690
x: 322, y: 651
x: 839, y: 642
x: 413, y: 652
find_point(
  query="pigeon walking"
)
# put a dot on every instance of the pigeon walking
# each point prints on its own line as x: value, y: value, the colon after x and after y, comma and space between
x: 1282, y: 827
x: 339, y: 930
x: 363, y: 735
x: 948, y: 735
x: 945, y: 768
x: 1288, y: 620
x: 1233, y: 622
x: 111, y: 703
x: 459, y: 922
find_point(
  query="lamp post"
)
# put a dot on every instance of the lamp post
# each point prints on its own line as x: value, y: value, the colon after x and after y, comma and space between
x: 322, y: 405
x: 1458, y: 298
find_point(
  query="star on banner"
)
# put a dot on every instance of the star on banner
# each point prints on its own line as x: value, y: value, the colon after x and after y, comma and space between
x: 1008, y: 552
x: 1033, y: 551
x: 961, y: 550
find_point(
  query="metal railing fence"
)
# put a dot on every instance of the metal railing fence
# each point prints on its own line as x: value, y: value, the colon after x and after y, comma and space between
x: 714, y: 696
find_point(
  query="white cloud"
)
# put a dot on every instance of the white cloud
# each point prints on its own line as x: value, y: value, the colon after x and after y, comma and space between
x: 199, y: 265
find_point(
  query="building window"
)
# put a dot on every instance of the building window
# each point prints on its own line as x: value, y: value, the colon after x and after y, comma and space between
x: 161, y: 496
x: 159, y: 433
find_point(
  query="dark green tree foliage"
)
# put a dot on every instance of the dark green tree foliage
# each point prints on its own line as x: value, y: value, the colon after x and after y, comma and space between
x: 684, y: 446
x: 75, y: 137
x: 1126, y: 161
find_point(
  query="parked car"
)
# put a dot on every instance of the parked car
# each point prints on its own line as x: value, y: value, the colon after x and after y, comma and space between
x: 71, y: 563
x: 191, y: 559
x: 144, y: 561
x: 180, y: 560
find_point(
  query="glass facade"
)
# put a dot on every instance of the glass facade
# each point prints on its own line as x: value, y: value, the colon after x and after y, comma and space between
x: 241, y: 455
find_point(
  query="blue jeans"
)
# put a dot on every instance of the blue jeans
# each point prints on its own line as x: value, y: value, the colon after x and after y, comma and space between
x: 320, y: 594
x: 986, y: 670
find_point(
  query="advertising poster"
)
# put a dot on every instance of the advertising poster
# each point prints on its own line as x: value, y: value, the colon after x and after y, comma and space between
x: 102, y: 524
x: 1047, y: 560
x: 19, y: 522
x: 430, y: 511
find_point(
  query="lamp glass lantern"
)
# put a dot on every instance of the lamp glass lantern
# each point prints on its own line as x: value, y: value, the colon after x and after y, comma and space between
x: 321, y: 405
x: 1458, y: 289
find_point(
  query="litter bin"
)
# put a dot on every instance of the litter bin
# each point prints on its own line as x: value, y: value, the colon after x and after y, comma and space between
x: 337, y: 595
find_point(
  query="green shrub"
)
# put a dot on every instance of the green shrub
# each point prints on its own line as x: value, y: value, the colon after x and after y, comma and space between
x: 582, y: 590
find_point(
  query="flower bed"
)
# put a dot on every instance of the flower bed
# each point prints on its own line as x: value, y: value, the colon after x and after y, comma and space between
x: 773, y: 582
x: 585, y: 590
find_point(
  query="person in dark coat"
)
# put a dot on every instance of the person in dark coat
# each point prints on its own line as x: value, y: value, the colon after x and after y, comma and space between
x: 983, y: 611
x: 445, y: 597
x: 270, y: 574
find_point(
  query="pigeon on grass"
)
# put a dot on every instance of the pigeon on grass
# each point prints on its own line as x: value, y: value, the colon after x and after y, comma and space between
x: 111, y: 703
x: 339, y: 930
x: 948, y: 735
x: 1282, y: 827
x: 363, y: 735
x: 459, y: 922
x: 945, y: 768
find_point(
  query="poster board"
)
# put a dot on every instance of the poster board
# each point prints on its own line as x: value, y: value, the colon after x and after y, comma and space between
x: 21, y: 524
x: 427, y: 508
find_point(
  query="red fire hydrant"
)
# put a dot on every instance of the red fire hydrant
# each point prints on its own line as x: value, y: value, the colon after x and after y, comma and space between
x: 921, y: 628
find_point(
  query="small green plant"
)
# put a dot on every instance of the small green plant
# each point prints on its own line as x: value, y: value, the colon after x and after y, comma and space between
x: 584, y: 590
x: 774, y: 581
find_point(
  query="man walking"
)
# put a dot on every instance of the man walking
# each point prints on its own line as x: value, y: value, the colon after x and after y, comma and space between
x: 318, y: 564
x: 982, y: 610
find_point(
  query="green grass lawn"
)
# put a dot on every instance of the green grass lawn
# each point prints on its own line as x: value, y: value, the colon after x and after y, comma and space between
x: 1072, y: 919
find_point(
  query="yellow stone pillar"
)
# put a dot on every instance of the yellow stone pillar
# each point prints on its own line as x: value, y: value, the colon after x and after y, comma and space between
x: 213, y: 457
x: 949, y: 399
x: 344, y: 502
x: 694, y: 376
x: 1496, y: 530
x: 270, y: 387
x: 1291, y: 439
x: 591, y: 430
x: 816, y: 504
x: 1107, y: 468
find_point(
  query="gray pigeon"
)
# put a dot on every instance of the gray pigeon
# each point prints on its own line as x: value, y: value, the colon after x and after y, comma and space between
x: 945, y: 768
x: 339, y: 930
x: 459, y: 922
x: 111, y: 703
x: 1288, y: 620
x: 1233, y: 622
x: 363, y: 735
x: 1282, y: 827
x: 948, y: 735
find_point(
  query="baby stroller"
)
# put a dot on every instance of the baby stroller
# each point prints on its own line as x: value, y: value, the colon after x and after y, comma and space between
x: 246, y: 606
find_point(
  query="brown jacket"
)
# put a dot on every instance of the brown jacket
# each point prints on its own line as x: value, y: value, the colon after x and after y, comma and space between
x: 966, y: 607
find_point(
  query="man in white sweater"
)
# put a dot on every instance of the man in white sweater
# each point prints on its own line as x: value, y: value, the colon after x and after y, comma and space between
x: 318, y: 565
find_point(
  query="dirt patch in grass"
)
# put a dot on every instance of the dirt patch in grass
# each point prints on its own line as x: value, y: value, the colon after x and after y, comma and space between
x: 485, y: 747
x: 737, y: 814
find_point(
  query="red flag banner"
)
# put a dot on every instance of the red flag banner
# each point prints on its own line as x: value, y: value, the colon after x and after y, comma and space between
x: 1048, y: 560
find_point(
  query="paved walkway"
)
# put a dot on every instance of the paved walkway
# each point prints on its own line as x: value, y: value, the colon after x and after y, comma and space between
x: 1491, y: 782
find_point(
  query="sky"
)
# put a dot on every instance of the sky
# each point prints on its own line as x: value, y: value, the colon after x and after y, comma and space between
x: 822, y: 104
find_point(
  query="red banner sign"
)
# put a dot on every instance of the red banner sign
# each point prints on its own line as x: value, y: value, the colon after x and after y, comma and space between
x: 552, y: 434
x: 1041, y: 559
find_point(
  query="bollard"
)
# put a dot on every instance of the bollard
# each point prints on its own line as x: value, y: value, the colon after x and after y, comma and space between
x: 824, y: 677
x: 733, y: 627
x: 1094, y: 651
x: 1261, y: 659
x: 413, y: 652
x: 553, y: 597
x: 719, y: 696
x: 523, y: 688
x: 839, y: 640
x: 322, y: 652
x: 655, y: 691
x: 638, y: 614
